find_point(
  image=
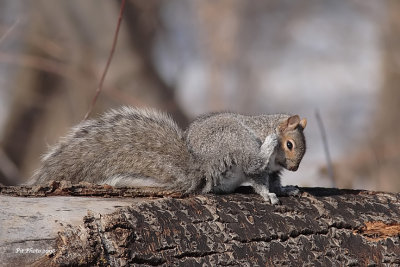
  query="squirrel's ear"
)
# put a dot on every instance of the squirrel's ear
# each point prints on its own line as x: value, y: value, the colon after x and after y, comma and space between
x: 293, y: 121
x: 303, y: 123
x: 289, y: 124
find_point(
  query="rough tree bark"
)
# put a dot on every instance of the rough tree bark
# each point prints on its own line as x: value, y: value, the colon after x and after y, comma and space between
x: 327, y: 227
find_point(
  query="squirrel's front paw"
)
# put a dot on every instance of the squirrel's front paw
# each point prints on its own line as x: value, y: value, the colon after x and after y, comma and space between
x: 290, y: 190
x: 263, y: 191
x: 271, y: 197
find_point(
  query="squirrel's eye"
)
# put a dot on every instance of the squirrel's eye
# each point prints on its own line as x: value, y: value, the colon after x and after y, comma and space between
x: 289, y: 145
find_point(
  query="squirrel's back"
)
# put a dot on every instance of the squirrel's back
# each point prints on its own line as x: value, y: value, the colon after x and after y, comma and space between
x: 124, y: 147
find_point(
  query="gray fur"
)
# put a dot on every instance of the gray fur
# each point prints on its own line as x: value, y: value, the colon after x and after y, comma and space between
x: 144, y: 147
x: 224, y: 141
x: 129, y: 143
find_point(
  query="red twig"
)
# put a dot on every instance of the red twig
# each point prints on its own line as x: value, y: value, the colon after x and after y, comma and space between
x: 98, y: 90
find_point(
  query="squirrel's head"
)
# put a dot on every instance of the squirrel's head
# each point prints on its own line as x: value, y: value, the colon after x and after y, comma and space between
x: 292, y: 142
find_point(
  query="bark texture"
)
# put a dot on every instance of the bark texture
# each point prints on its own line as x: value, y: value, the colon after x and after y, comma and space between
x: 323, y: 227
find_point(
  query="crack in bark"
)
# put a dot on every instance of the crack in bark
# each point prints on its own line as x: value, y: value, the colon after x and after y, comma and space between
x: 295, y: 234
x: 195, y: 254
x: 153, y: 261
x: 166, y: 248
x: 65, y: 188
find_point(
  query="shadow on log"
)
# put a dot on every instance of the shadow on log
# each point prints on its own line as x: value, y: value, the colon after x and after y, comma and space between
x: 327, y: 227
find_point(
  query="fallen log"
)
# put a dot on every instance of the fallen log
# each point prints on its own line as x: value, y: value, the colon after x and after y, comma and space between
x: 324, y: 226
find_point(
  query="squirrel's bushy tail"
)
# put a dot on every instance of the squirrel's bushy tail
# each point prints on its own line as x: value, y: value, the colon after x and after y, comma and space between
x: 127, y: 146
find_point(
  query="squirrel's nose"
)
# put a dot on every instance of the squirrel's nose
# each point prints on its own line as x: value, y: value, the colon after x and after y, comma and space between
x: 294, y: 168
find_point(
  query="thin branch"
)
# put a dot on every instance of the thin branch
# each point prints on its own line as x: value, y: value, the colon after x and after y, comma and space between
x: 98, y: 90
x: 326, y: 148
x: 9, y: 30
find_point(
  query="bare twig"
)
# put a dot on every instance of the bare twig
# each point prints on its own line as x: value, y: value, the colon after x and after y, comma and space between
x: 326, y: 148
x: 9, y: 30
x: 98, y: 90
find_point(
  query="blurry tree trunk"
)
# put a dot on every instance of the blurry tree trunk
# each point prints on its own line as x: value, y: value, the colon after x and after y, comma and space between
x: 59, y: 66
x: 376, y: 157
x: 387, y: 138
x: 142, y: 21
x: 219, y: 34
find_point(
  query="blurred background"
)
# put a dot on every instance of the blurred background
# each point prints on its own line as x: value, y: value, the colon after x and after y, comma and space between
x: 335, y: 57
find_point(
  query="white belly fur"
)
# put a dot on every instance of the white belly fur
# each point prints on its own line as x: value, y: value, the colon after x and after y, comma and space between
x: 233, y: 178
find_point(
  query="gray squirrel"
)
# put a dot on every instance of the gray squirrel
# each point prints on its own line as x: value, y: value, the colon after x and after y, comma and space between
x: 145, y: 148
